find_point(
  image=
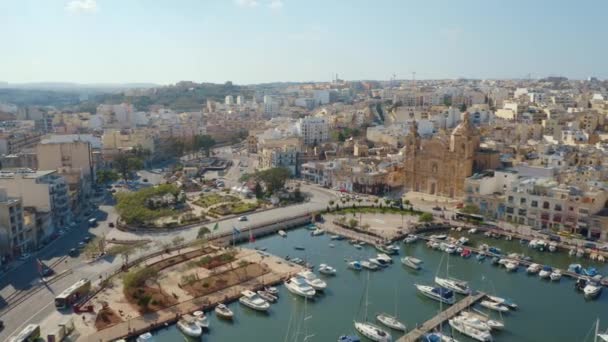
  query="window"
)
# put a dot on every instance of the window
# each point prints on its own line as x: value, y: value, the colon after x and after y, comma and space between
x: 522, y: 201
x: 558, y: 207
x: 510, y: 210
x: 546, y: 205
x: 534, y: 204
x: 521, y: 212
x: 510, y: 199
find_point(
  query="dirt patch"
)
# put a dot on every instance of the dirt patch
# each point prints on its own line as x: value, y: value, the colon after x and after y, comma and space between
x: 178, y: 259
x: 106, y: 317
x: 220, y: 281
x: 147, y: 299
x: 211, y: 262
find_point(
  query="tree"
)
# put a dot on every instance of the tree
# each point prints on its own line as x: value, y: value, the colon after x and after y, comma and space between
x: 274, y: 178
x: 258, y: 190
x: 352, y: 223
x: 177, y: 242
x: 425, y: 217
x: 204, y: 142
x: 407, y: 204
x: 106, y: 176
x: 126, y: 163
x: 202, y: 231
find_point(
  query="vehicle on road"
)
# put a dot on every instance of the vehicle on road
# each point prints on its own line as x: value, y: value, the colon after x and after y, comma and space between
x: 87, y: 239
x: 145, y: 180
x: 30, y: 333
x: 73, y: 252
x: 92, y: 222
x: 243, y: 218
x: 73, y: 294
x: 24, y: 256
x: 81, y: 245
x: 111, y: 224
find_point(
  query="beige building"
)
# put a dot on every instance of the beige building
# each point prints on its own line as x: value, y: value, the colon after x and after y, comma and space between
x: 115, y: 141
x: 14, y: 239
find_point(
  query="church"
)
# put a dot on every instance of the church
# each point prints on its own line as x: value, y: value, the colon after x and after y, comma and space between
x: 439, y: 165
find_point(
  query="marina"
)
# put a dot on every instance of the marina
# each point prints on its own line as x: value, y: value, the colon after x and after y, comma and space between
x: 340, y: 301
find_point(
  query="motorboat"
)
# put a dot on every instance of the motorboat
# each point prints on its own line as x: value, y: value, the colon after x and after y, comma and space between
x: 437, y: 293
x: 556, y: 275
x: 440, y: 237
x: 317, y: 232
x: 592, y: 289
x: 299, y: 248
x: 188, y: 326
x: 495, y: 250
x: 545, y: 272
x: 378, y: 262
x: 252, y: 300
x: 297, y: 261
x: 495, y: 260
x: 472, y: 231
x: 326, y: 269
x: 393, y: 249
x: 503, y: 301
x: 511, y: 266
x: 581, y: 283
x: 357, y: 246
x: 385, y: 257
x: 311, y: 226
x: 474, y: 322
x: 589, y: 271
x: 580, y: 253
x: 552, y: 246
x: 368, y: 265
x: 355, y: 265
x: 298, y: 286
x: 533, y: 268
x: 145, y: 337
x: 390, y: 321
x: 272, y: 290
x: 459, y: 250
x: 572, y: 252
x: 410, y: 238
x: 463, y: 240
x: 201, y: 319
x: 458, y: 286
x: 450, y: 249
x: 575, y: 268
x: 466, y: 253
x: 349, y: 338
x: 479, y: 335
x: 312, y: 280
x: 494, y: 306
x: 270, y: 298
x: 373, y: 332
x: 282, y: 233
x: 480, y: 257
x: 411, y: 262
x: 493, y: 324
x: 222, y: 311
x: 437, y: 337
x: 487, y: 234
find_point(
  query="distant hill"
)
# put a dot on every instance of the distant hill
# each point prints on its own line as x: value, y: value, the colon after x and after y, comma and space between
x: 76, y: 86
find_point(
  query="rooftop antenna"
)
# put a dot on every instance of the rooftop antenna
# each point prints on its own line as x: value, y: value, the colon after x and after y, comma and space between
x: 414, y: 78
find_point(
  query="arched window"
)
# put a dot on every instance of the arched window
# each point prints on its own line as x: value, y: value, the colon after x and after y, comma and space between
x: 434, y: 168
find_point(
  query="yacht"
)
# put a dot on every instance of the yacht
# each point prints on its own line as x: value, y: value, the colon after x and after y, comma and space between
x: 473, y: 322
x: 368, y: 265
x: 390, y: 321
x: 478, y: 335
x: 455, y: 285
x: 349, y: 338
x: 393, y: 249
x: 511, y: 266
x: 472, y: 231
x: 188, y: 326
x: 312, y: 280
x: 437, y: 337
x: 384, y: 257
x: 437, y: 293
x: 355, y: 265
x: 503, y: 301
x: 265, y: 295
x: 326, y: 269
x: 440, y: 236
x: 145, y: 337
x: 494, y: 306
x: 222, y: 311
x: 496, y: 325
x: 556, y: 275
x: 378, y: 262
x: 545, y: 272
x: 298, y: 286
x: 592, y: 289
x: 411, y: 262
x: 463, y: 240
x: 282, y: 233
x: 410, y: 238
x: 272, y: 290
x: 201, y: 319
x: 533, y: 268
x: 253, y: 301
x: 336, y: 237
x: 317, y: 232
x: 373, y: 332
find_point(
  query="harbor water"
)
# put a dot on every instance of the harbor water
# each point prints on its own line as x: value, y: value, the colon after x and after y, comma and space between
x: 548, y: 311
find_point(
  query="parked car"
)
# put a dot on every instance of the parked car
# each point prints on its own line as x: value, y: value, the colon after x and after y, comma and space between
x: 87, y: 239
x: 437, y: 208
x: 111, y: 224
x: 73, y: 252
x: 243, y: 218
x: 24, y: 256
x: 81, y: 245
x: 47, y: 272
x: 145, y: 180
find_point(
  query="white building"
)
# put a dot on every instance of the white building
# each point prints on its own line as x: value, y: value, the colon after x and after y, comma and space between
x: 314, y: 130
x: 321, y: 96
x: 229, y: 100
x: 240, y: 100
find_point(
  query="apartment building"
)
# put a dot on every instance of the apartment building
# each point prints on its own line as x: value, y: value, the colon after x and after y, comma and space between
x: 14, y: 240
x: 14, y: 142
x: 314, y: 130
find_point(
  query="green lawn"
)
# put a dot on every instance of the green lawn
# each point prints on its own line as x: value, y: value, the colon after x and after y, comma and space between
x: 133, y: 210
x: 207, y: 201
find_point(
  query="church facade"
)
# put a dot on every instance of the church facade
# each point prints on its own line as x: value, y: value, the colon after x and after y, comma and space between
x: 439, y: 166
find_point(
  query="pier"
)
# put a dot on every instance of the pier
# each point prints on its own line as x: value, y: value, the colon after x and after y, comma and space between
x: 441, y: 317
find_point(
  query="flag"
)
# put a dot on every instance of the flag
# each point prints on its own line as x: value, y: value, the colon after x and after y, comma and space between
x: 217, y: 225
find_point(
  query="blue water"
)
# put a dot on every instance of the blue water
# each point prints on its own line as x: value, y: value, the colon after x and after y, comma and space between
x: 548, y: 311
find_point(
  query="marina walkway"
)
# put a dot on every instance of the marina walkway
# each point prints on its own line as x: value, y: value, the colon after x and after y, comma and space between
x: 443, y: 316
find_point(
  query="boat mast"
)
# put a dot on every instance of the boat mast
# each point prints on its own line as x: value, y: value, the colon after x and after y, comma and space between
x: 597, y: 325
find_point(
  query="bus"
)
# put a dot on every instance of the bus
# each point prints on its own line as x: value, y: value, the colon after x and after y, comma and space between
x: 29, y: 334
x: 72, y: 294
x: 469, y: 217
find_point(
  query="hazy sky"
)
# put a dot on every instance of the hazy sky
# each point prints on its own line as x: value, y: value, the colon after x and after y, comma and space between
x: 249, y: 41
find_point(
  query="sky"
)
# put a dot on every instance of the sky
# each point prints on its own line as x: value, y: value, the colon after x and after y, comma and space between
x: 256, y: 41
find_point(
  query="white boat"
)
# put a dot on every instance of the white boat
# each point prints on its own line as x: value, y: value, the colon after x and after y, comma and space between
x: 378, y: 262
x: 472, y: 231
x: 298, y: 286
x: 572, y: 252
x: 411, y: 262
x: 556, y: 275
x: 252, y: 300
x: 410, y: 238
x: 533, y: 268
x: 272, y: 290
x: 473, y: 322
x: 373, y: 332
x: 494, y: 306
x: 317, y: 232
x: 503, y: 301
x: 437, y: 293
x: 437, y: 337
x: 458, y: 286
x: 223, y: 311
x: 326, y: 269
x: 355, y: 265
x: 592, y: 289
x: 282, y: 233
x: 440, y: 236
x: 511, y: 266
x: 478, y: 335
x: 201, y: 319
x: 545, y: 272
x: 368, y: 265
x: 552, y: 246
x: 493, y: 324
x: 580, y: 253
x: 188, y: 326
x: 312, y: 280
x: 270, y: 298
x: 390, y: 321
x: 384, y: 257
x: 463, y: 240
x: 145, y: 337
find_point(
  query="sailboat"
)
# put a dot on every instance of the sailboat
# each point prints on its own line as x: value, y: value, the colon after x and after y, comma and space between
x: 456, y: 285
x: 597, y: 336
x: 369, y: 330
x: 391, y: 321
